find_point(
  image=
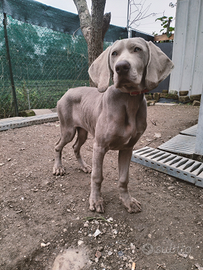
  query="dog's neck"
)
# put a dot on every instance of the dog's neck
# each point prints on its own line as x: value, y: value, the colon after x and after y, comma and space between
x: 138, y: 93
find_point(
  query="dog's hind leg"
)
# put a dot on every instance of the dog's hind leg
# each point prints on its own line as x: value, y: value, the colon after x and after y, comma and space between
x: 66, y: 136
x: 81, y: 139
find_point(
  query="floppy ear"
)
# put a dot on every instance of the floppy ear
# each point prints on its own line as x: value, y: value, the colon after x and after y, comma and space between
x: 158, y: 68
x: 99, y: 71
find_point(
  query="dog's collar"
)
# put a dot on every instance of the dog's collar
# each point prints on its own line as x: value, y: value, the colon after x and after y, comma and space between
x: 138, y: 93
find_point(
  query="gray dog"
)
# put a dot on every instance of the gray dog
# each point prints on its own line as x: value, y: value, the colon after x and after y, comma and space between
x: 115, y: 115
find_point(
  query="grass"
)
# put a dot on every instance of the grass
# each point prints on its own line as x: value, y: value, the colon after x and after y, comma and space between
x: 42, y: 94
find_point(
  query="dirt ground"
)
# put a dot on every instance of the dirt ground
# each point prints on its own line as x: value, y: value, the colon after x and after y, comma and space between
x: 43, y: 216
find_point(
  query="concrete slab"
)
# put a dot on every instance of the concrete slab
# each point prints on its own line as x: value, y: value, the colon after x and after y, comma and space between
x: 192, y: 131
x: 164, y: 104
x: 11, y: 119
x: 42, y: 111
x: 180, y: 144
x: 17, y: 122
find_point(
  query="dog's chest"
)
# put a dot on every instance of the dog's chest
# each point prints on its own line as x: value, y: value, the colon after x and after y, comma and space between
x: 122, y: 139
x: 120, y: 131
x: 118, y: 125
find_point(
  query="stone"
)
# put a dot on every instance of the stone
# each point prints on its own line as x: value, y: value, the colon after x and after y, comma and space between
x: 183, y: 93
x: 151, y: 102
x: 163, y: 95
x: 172, y: 96
x: 132, y: 246
x: 27, y: 113
x: 173, y: 92
x: 73, y: 259
x: 80, y: 242
x: 148, y: 97
x: 195, y: 97
x: 165, y: 91
x: 184, y: 99
x: 110, y: 219
x: 184, y: 255
x: 196, y: 103
x: 86, y: 224
x: 100, y: 248
x: 45, y: 245
x: 114, y: 231
x: 156, y: 96
x: 157, y: 135
x: 169, y: 96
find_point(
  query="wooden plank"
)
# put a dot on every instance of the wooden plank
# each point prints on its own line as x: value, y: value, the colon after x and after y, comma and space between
x: 163, y: 37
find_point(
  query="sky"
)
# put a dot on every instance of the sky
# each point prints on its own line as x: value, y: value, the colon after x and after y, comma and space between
x: 118, y: 9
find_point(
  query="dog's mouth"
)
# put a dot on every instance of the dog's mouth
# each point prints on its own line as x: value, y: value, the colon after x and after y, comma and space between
x: 124, y: 82
x: 129, y: 83
x: 127, y: 86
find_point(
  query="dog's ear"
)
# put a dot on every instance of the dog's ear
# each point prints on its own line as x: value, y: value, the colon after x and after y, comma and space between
x: 158, y: 68
x: 99, y: 71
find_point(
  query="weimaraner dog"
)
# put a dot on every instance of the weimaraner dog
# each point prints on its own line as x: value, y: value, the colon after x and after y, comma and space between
x: 115, y: 115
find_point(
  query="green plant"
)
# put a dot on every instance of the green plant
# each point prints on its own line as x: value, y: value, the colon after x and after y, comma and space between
x: 42, y: 94
x: 165, y: 23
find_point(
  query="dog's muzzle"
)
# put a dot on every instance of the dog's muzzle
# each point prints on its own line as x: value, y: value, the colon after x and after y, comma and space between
x: 122, y: 68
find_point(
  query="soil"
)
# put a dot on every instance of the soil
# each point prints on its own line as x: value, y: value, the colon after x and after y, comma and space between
x: 43, y: 216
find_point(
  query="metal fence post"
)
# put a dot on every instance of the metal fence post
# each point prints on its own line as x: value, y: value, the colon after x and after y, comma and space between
x: 128, y: 21
x: 10, y: 66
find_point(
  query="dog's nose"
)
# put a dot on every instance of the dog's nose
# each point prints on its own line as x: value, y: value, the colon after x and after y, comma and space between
x: 122, y: 67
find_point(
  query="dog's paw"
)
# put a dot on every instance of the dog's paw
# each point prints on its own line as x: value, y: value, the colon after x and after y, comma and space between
x: 87, y: 169
x: 59, y: 170
x: 134, y: 206
x: 131, y: 204
x: 97, y: 206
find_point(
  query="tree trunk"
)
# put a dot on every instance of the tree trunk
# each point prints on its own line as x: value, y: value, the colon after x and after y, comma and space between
x: 93, y: 26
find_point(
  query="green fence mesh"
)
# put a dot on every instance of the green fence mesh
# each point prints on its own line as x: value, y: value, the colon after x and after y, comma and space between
x: 45, y: 64
x: 48, y: 54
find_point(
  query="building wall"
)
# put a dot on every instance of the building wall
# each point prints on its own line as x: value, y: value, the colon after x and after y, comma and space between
x: 188, y: 48
x: 167, y: 48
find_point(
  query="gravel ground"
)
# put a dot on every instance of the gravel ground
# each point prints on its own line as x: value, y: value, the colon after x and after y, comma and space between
x: 45, y: 216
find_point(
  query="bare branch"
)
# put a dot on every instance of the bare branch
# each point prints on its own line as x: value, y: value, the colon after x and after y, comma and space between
x: 138, y: 12
x: 106, y: 22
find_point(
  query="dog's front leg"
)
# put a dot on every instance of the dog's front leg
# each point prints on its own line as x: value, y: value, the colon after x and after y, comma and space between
x: 95, y: 200
x: 130, y: 203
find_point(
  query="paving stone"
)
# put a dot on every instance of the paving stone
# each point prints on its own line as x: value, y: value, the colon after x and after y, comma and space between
x: 17, y: 122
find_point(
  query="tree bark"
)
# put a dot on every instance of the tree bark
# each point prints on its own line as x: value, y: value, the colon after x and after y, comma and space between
x: 94, y: 26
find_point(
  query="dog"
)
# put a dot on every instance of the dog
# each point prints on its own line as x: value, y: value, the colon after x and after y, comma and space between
x: 115, y: 115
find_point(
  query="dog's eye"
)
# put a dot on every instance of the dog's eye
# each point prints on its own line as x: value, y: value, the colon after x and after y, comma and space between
x: 114, y: 53
x: 137, y: 49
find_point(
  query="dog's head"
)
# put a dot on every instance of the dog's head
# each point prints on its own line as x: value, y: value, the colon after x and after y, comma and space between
x: 134, y: 64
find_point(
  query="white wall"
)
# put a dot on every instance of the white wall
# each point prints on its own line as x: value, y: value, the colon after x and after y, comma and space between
x: 188, y: 48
